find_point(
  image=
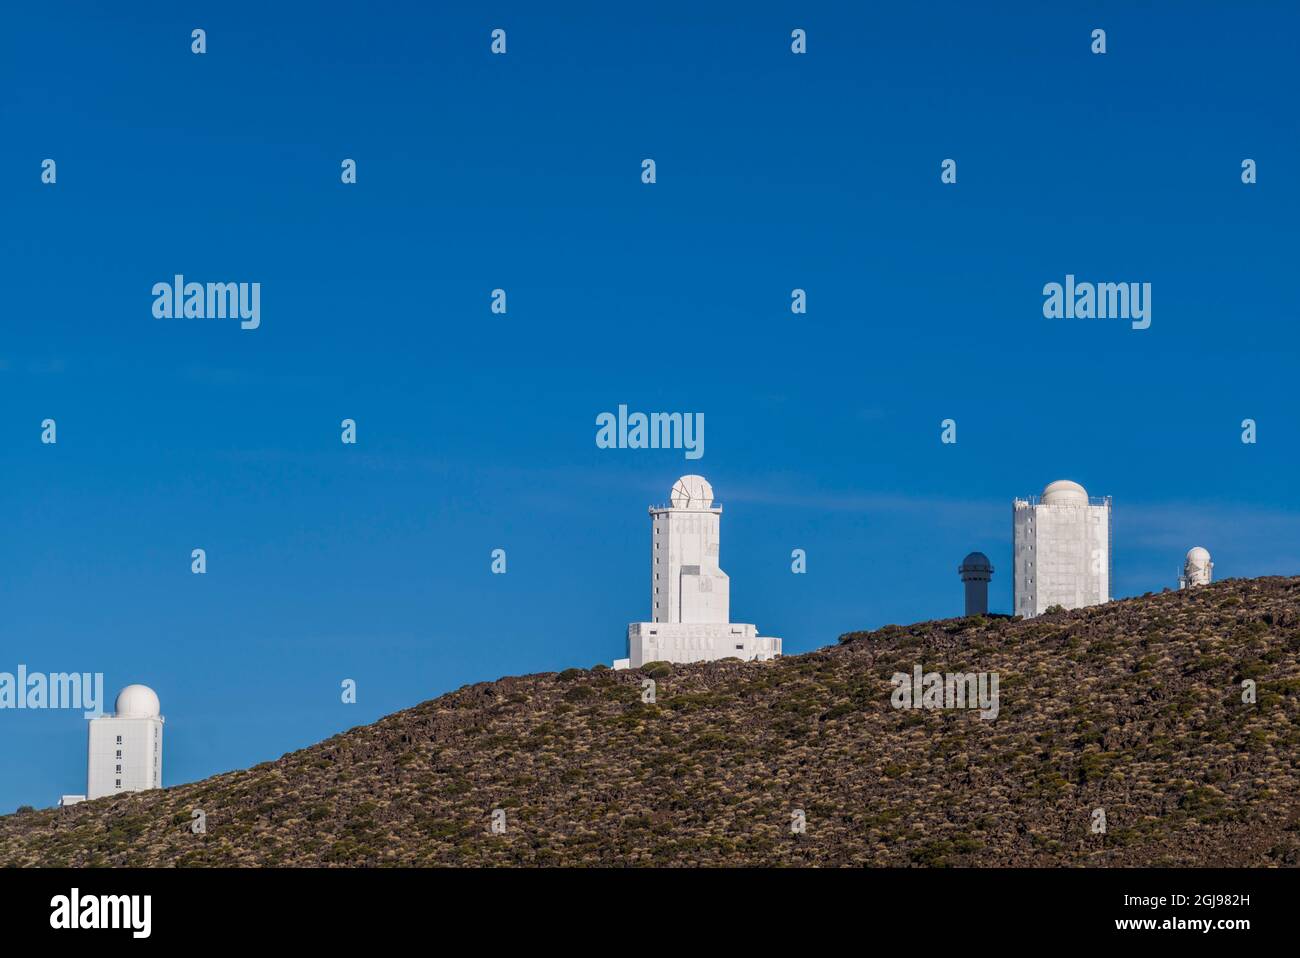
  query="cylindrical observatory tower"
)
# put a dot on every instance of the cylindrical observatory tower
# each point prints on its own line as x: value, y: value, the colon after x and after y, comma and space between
x: 976, y: 571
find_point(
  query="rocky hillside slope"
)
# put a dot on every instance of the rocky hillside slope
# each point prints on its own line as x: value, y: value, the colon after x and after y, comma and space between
x: 1134, y: 707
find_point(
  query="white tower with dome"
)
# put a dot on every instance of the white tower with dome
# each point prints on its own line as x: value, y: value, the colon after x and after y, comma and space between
x: 1062, y: 549
x: 125, y: 753
x: 690, y: 595
x: 1197, y: 568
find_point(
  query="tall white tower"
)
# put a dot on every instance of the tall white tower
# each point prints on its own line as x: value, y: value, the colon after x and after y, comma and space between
x: 687, y: 584
x: 1062, y: 549
x: 690, y: 595
x: 1197, y: 568
x: 976, y: 571
x: 125, y: 753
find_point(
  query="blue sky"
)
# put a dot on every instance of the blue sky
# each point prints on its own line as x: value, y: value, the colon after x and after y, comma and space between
x: 476, y: 431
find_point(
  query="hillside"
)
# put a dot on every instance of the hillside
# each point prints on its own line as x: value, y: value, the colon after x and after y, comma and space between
x: 1134, y: 707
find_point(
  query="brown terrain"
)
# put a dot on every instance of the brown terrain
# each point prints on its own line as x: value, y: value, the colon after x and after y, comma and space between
x: 1134, y: 707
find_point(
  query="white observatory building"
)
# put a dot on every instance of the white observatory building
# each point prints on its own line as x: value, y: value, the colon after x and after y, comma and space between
x: 1197, y: 568
x: 690, y: 595
x: 1062, y: 549
x: 125, y: 753
x: 976, y: 570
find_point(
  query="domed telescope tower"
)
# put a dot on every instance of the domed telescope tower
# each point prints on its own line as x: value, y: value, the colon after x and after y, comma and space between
x: 125, y: 753
x: 690, y: 595
x: 976, y: 571
x: 1197, y: 568
x: 1062, y: 549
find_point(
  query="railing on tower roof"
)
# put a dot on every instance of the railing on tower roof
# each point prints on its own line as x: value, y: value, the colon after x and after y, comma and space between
x: 1038, y: 501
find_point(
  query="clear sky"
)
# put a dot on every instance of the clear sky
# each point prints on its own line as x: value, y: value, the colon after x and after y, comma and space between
x: 477, y: 431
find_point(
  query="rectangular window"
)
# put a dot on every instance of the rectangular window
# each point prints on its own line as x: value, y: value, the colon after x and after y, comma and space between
x: 119, y: 784
x: 119, y: 740
x: 119, y: 753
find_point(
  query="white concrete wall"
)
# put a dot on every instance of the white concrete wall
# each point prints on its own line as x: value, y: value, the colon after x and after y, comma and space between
x: 697, y: 642
x: 1024, y: 548
x: 1195, y: 574
x: 1062, y: 556
x: 132, y: 765
x: 687, y: 584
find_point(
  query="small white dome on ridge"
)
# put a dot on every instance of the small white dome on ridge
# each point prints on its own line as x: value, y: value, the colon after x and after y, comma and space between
x: 137, y: 701
x: 1063, y: 492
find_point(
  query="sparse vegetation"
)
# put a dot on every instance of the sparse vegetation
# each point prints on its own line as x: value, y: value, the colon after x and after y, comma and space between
x: 1134, y: 707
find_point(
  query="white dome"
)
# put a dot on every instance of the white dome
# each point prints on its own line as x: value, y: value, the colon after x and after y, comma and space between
x: 692, y: 492
x: 1063, y: 492
x: 1197, y: 554
x: 137, y: 701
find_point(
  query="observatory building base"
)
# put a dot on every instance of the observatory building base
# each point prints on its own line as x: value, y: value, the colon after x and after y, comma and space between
x: 696, y: 642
